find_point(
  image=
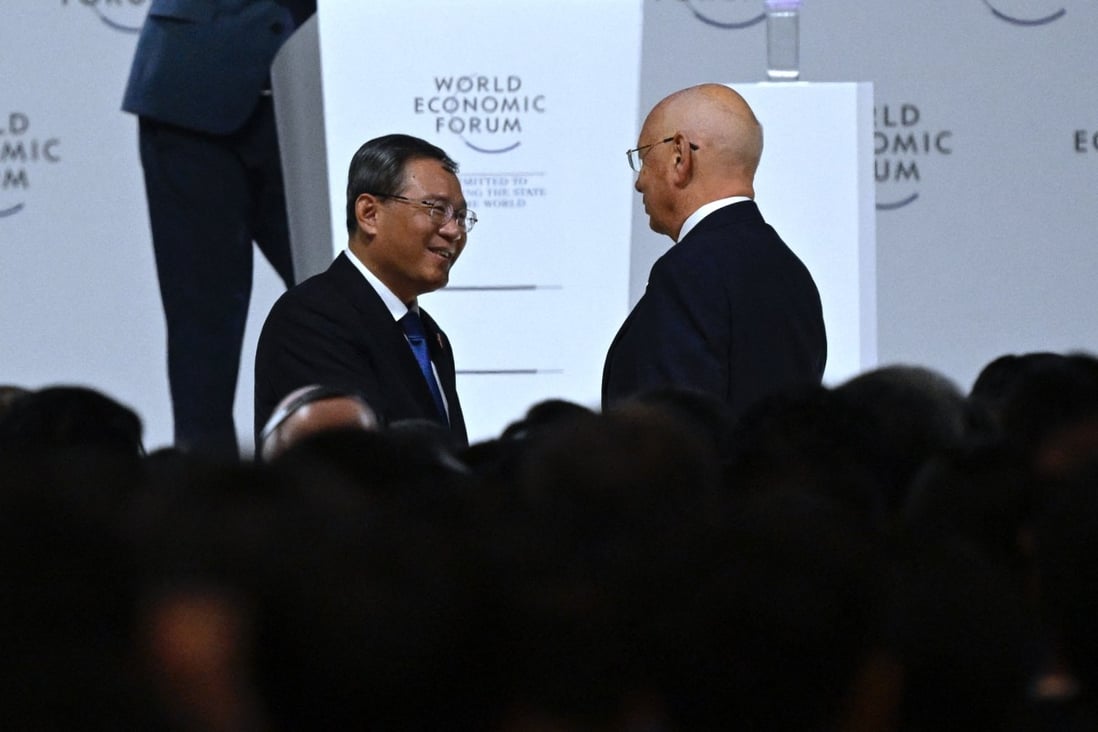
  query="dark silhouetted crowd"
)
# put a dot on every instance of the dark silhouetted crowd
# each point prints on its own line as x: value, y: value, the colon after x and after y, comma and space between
x: 889, y: 554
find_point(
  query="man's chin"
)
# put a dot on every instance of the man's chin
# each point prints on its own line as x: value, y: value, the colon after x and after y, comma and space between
x: 439, y: 282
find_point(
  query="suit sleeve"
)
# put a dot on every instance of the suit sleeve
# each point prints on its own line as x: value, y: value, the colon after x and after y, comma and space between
x: 202, y: 64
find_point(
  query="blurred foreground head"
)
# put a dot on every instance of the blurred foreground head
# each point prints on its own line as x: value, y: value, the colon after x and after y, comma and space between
x: 311, y: 410
x: 60, y: 417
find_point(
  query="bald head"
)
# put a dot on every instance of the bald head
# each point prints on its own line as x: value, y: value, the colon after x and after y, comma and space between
x: 715, y: 146
x: 718, y: 120
x: 312, y: 409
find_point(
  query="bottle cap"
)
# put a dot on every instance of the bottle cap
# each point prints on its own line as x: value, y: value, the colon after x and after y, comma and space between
x: 783, y: 4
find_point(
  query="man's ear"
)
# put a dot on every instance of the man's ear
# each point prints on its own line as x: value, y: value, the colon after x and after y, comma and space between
x: 367, y: 209
x: 682, y: 168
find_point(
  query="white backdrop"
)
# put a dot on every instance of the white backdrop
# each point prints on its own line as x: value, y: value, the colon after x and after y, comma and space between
x: 986, y: 109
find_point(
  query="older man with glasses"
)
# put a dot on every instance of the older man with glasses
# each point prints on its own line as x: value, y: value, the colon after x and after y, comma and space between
x: 357, y: 327
x: 729, y: 310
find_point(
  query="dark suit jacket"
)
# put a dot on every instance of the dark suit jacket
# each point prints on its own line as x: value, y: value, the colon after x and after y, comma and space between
x: 201, y: 64
x: 729, y: 310
x: 334, y: 330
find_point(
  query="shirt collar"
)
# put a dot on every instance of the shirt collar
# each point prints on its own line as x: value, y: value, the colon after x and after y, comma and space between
x: 396, y: 307
x: 695, y: 218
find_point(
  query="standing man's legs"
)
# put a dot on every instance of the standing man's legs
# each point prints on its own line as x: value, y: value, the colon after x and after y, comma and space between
x: 203, y: 203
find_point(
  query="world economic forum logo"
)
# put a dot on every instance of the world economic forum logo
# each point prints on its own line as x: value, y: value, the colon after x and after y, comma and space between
x: 124, y: 16
x: 904, y: 148
x: 1026, y: 12
x: 726, y: 14
x: 488, y: 113
x: 21, y: 151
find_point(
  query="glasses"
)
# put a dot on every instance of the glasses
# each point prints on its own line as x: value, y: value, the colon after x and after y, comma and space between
x: 441, y: 213
x: 636, y: 161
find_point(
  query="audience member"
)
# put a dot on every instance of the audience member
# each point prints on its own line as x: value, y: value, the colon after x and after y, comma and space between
x: 381, y: 464
x: 603, y: 515
x: 1042, y: 404
x: 544, y: 417
x: 70, y: 417
x: 912, y: 414
x: 8, y: 394
x: 702, y: 412
x: 983, y: 496
x: 69, y: 589
x: 309, y: 410
x: 995, y: 386
x: 495, y: 461
x: 775, y: 628
x: 809, y: 440
x: 1066, y: 542
x: 958, y: 629
x: 582, y: 571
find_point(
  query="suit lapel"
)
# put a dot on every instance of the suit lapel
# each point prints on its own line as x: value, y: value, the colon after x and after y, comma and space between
x: 395, y: 363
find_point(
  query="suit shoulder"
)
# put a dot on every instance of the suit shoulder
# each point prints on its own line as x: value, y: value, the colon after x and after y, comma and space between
x: 318, y: 296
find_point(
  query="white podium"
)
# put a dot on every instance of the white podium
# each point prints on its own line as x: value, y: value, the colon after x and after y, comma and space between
x: 299, y: 112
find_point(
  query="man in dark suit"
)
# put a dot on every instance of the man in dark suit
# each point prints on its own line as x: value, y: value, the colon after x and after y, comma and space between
x: 213, y: 179
x: 355, y: 327
x: 729, y: 310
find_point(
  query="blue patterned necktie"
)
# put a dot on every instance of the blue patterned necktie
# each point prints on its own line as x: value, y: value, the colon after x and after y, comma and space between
x: 417, y: 337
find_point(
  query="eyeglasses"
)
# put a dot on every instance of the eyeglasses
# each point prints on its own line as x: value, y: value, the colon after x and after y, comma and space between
x: 636, y: 161
x: 441, y: 213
